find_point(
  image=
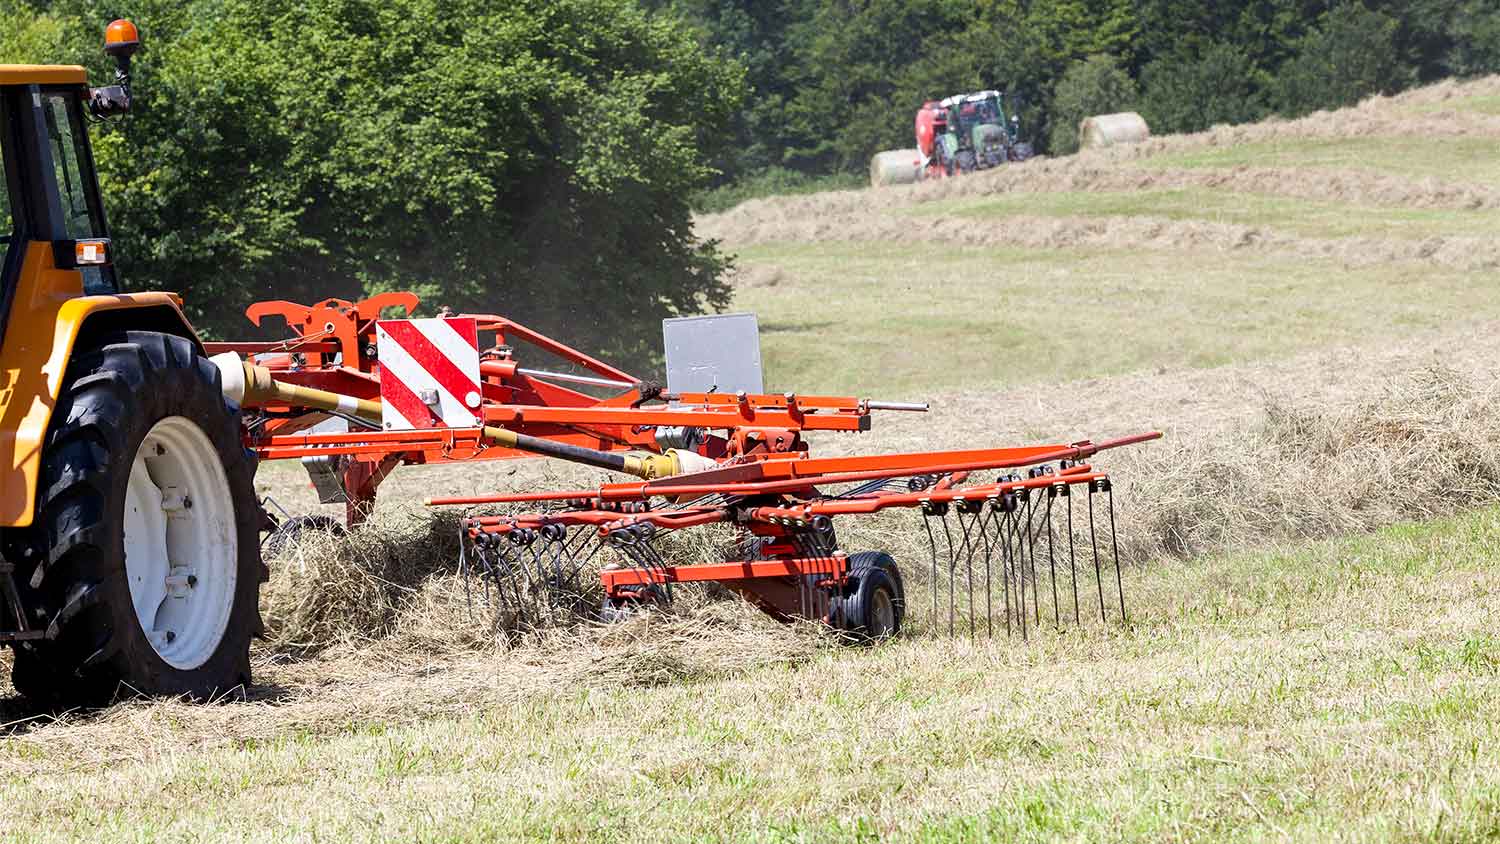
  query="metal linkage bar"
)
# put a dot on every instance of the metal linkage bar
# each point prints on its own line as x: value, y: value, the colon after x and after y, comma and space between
x: 831, y: 568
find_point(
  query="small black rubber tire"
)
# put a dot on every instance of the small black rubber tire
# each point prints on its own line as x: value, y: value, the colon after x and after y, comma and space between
x: 294, y: 529
x: 873, y: 578
x: 1022, y: 151
x: 73, y: 578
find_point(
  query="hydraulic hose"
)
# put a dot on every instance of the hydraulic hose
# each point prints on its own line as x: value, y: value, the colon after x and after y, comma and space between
x: 253, y: 386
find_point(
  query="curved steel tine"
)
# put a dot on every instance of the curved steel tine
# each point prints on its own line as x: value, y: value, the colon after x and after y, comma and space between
x: 1094, y: 543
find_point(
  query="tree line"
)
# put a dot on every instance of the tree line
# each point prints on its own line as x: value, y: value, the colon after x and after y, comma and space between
x: 833, y: 81
x: 532, y: 158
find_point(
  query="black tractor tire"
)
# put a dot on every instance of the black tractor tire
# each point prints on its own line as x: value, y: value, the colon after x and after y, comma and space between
x: 295, y: 529
x: 1022, y: 151
x: 872, y: 605
x: 967, y: 161
x: 73, y: 577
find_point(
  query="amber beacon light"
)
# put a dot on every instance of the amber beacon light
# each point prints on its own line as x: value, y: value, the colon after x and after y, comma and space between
x: 121, y: 39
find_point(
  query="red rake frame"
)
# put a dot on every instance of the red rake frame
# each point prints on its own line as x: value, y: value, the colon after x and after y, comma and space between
x: 334, y: 350
x: 787, y: 562
x: 792, y: 565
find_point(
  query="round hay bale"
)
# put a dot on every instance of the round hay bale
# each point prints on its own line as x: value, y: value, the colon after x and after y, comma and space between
x: 1106, y: 130
x: 895, y: 167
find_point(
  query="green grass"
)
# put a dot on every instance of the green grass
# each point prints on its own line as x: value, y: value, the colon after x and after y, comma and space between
x: 1305, y: 217
x: 1478, y: 104
x: 1448, y: 159
x: 1377, y: 718
x: 897, y: 320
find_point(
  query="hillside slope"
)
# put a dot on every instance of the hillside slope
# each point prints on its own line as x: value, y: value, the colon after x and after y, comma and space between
x: 1238, y: 244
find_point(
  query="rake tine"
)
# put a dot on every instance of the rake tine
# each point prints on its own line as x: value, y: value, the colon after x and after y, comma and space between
x: 1002, y: 540
x: 952, y: 565
x: 555, y: 547
x: 1094, y: 542
x: 648, y: 547
x: 1052, y: 562
x: 1036, y: 603
x: 932, y: 551
x: 515, y: 573
x: 969, y: 566
x: 1114, y: 542
x: 463, y: 570
x: 1019, y: 566
x: 1067, y: 492
x: 986, y: 516
x: 539, y: 585
x: 490, y: 573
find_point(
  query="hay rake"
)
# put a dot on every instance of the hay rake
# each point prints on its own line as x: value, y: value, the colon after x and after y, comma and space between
x: 1004, y: 553
x: 1010, y: 546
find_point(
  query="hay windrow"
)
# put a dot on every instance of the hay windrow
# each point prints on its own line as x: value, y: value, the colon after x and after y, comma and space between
x: 1138, y: 232
x: 1421, y: 447
x: 1417, y: 446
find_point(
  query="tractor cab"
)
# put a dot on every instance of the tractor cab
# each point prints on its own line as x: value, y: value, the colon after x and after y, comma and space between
x: 49, y: 194
x: 50, y: 198
x: 984, y: 135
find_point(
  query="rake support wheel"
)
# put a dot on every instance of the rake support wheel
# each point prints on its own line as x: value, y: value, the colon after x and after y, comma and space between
x: 873, y: 604
x: 144, y: 565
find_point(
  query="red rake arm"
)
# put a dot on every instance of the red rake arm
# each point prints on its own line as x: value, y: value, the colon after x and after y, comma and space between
x: 790, y: 476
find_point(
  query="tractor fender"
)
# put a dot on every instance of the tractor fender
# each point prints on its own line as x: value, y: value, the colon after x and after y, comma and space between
x: 48, y: 317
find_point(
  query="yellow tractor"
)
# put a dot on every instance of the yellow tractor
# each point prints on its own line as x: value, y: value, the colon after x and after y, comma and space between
x: 129, y: 556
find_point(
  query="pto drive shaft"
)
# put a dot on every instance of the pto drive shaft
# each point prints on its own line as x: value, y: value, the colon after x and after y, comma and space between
x: 253, y: 386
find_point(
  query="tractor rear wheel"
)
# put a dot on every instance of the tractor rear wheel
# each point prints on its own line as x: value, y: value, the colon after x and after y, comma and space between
x: 873, y: 603
x: 144, y: 567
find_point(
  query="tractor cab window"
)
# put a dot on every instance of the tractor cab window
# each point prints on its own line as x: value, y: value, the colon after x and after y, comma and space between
x: 7, y: 219
x: 77, y: 189
x: 70, y: 160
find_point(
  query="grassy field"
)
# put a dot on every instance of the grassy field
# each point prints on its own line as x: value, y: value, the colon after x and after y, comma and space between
x: 1323, y: 364
x: 1448, y: 159
x: 898, y: 320
x: 1312, y: 218
x: 1341, y: 690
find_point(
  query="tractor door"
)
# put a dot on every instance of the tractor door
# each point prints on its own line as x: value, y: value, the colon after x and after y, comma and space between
x: 76, y: 187
x: 49, y: 197
x: 11, y: 208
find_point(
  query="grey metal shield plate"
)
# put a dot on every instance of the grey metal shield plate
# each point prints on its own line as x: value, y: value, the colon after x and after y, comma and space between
x: 718, y: 351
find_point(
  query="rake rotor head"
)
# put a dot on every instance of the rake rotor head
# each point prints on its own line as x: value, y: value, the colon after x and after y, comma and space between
x: 1033, y: 547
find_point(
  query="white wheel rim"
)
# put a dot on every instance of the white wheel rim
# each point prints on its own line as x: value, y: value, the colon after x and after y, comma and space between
x: 181, y: 547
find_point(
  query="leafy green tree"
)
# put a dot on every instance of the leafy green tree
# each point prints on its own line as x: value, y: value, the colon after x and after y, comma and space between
x: 756, y: 33
x: 1475, y: 46
x: 1188, y: 94
x: 31, y: 36
x: 532, y: 158
x: 1351, y: 55
x: 1096, y: 85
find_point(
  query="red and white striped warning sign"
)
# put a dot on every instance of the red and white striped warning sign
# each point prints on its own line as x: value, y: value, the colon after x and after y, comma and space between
x: 429, y: 372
